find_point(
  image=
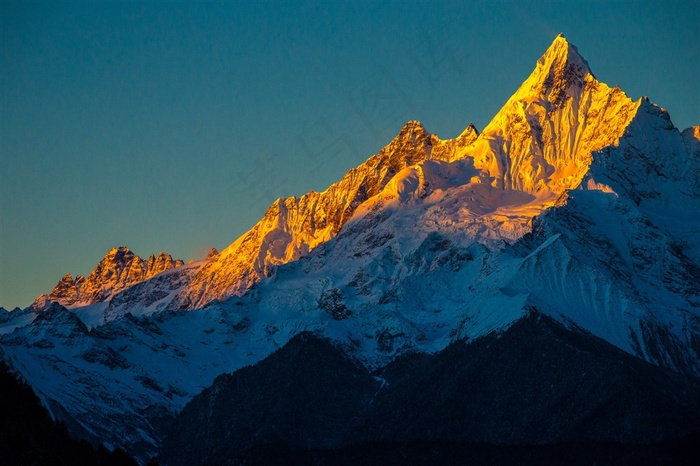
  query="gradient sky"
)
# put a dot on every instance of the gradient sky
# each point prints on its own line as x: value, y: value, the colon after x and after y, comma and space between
x: 167, y: 126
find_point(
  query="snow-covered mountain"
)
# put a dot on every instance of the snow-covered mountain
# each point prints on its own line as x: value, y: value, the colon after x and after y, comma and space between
x: 293, y: 226
x: 575, y: 202
x: 539, y: 145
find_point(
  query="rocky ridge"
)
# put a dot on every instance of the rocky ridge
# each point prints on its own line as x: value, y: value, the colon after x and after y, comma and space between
x: 118, y: 270
x: 293, y: 226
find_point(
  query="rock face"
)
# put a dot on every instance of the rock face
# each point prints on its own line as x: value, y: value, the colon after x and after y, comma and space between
x: 118, y: 270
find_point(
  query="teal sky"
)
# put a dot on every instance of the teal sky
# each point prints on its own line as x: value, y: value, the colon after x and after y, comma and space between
x: 170, y: 126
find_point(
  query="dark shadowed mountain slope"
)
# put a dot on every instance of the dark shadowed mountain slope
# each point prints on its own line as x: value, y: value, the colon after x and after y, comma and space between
x: 28, y: 436
x: 307, y: 393
x: 681, y: 452
x: 536, y: 383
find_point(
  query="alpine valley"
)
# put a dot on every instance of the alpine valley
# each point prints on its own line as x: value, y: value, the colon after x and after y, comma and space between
x: 533, y: 285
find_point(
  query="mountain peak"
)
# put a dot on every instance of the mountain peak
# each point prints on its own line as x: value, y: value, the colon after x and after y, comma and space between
x: 412, y: 127
x: 122, y: 253
x: 469, y: 131
x: 412, y: 136
x: 691, y: 133
x: 563, y: 49
x: 542, y: 139
x: 117, y: 250
x: 561, y: 72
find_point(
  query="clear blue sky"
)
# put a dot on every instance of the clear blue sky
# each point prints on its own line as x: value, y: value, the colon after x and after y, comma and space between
x: 172, y: 127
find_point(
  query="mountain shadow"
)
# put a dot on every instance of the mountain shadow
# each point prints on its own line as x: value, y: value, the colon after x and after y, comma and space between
x: 537, y: 387
x: 28, y: 435
x: 307, y: 393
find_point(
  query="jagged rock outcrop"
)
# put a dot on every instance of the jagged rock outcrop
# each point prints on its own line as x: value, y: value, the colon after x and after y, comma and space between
x: 118, y: 270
